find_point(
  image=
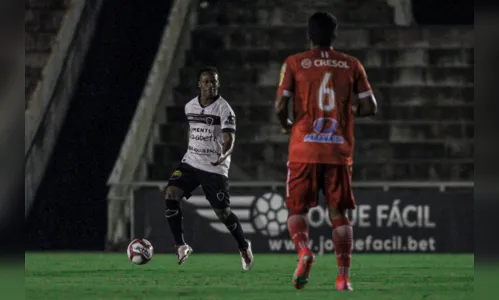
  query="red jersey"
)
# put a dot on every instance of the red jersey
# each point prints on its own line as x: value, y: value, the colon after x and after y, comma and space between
x: 323, y: 83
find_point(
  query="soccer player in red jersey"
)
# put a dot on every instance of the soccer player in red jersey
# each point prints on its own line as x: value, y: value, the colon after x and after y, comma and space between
x: 329, y: 89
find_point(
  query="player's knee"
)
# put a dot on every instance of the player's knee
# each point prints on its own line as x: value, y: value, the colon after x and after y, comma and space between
x: 297, y: 212
x: 173, y: 193
x: 336, y: 213
x: 223, y: 214
x: 172, y: 208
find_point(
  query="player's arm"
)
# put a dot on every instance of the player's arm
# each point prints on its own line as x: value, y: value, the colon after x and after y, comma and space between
x: 188, y: 126
x: 365, y: 104
x: 228, y: 124
x: 229, y: 139
x: 281, y: 110
x: 284, y: 94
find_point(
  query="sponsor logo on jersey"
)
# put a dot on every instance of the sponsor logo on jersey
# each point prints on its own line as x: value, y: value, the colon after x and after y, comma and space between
x: 281, y: 76
x: 231, y: 120
x: 197, y: 134
x: 325, y: 132
x: 201, y: 130
x: 204, y: 119
x: 176, y: 175
x: 306, y: 63
x: 332, y: 63
x: 323, y: 138
x: 202, y: 138
x: 202, y: 151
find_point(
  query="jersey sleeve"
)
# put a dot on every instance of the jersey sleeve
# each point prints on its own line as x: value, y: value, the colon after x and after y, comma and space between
x: 362, y: 86
x: 228, y: 119
x: 286, y: 79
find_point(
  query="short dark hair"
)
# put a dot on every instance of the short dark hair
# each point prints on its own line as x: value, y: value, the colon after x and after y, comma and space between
x: 322, y: 28
x: 207, y: 69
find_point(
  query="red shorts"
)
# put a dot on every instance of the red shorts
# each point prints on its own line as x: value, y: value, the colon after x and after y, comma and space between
x: 305, y: 180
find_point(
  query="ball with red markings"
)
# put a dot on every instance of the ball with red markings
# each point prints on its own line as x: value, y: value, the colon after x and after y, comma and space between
x: 140, y: 251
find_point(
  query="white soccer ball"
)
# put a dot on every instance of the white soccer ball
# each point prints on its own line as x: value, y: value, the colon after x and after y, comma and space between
x: 140, y: 251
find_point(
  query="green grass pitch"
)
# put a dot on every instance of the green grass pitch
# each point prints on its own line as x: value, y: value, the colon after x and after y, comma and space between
x: 111, y: 276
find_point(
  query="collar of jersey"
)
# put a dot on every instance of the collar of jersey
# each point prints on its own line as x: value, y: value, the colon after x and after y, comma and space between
x: 210, y: 103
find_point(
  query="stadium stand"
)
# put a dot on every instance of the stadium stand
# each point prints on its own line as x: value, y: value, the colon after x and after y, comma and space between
x: 58, y: 33
x: 42, y: 21
x: 422, y: 76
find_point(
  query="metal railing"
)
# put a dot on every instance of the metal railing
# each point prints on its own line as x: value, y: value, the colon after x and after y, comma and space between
x: 384, y: 185
x: 141, y: 129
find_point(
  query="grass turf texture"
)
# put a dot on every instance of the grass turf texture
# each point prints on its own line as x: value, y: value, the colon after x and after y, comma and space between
x: 111, y: 276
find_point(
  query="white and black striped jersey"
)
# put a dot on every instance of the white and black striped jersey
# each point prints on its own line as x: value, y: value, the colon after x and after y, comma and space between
x: 206, y: 125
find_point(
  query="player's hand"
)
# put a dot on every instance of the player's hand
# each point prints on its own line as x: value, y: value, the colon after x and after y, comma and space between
x: 220, y: 159
x: 216, y: 163
x: 286, y: 130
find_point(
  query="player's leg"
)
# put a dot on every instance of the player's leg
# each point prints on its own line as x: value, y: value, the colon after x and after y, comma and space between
x: 231, y: 221
x: 181, y: 183
x: 301, y: 194
x: 173, y: 213
x: 339, y: 198
x: 216, y: 189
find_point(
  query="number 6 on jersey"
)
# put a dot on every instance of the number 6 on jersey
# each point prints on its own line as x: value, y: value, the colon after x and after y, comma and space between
x: 326, y: 94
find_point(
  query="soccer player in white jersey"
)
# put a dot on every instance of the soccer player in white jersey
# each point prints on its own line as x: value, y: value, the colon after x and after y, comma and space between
x: 212, y: 127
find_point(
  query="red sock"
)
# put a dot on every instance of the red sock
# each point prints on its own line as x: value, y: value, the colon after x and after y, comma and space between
x: 342, y: 239
x: 298, y: 230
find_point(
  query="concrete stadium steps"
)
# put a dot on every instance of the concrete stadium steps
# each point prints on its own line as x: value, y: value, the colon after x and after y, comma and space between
x: 295, y: 37
x: 246, y: 114
x: 374, y: 148
x: 420, y: 75
x: 42, y: 21
x: 370, y: 57
x: 391, y: 131
x: 372, y: 171
x: 386, y: 94
x: 423, y: 78
x: 291, y: 12
x: 401, y: 130
x: 456, y: 113
x: 263, y: 112
x: 376, y: 156
x: 265, y: 131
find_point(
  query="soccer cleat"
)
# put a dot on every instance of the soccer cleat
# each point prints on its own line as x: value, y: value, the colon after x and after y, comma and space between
x: 247, y: 257
x: 305, y: 261
x: 183, y: 252
x: 343, y: 283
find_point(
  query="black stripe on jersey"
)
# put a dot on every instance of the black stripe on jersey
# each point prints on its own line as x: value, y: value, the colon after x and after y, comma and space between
x: 205, y: 119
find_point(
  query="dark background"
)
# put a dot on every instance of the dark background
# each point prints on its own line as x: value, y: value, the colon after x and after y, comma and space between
x: 70, y: 209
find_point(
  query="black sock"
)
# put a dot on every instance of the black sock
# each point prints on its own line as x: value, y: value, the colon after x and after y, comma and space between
x: 232, y: 223
x: 174, y: 216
